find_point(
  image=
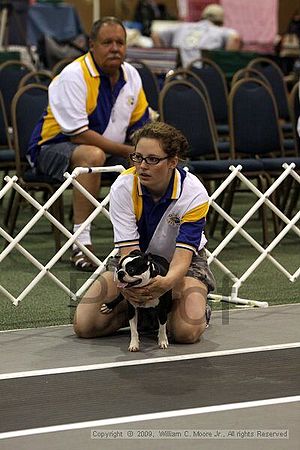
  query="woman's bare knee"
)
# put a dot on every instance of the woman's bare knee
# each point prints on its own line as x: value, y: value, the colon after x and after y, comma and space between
x: 83, y: 328
x: 187, y: 335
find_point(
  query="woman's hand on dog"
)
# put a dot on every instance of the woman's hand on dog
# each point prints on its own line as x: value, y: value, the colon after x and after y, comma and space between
x: 137, y: 296
x: 155, y: 289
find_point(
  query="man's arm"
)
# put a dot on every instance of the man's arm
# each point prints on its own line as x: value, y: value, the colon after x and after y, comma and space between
x: 126, y: 250
x: 233, y: 41
x: 90, y: 137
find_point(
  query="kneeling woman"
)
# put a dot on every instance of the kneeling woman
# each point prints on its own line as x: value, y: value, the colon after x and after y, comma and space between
x: 157, y: 207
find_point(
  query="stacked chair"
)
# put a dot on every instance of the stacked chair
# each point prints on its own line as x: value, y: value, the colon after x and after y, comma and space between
x: 150, y: 83
x: 272, y: 72
x: 255, y: 131
x: 11, y: 73
x: 214, y: 79
x: 43, y: 77
x: 28, y: 105
x: 7, y: 153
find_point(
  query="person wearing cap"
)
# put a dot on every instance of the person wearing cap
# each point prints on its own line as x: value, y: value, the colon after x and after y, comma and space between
x: 207, y: 34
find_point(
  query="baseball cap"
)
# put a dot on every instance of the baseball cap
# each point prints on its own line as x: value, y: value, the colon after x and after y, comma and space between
x: 214, y: 13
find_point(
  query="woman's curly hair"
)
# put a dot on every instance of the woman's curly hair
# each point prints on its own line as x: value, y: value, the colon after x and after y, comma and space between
x: 171, y: 140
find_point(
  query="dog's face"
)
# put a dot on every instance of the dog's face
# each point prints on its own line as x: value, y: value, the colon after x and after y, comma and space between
x: 134, y: 270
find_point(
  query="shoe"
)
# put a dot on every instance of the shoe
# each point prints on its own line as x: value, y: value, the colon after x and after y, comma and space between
x: 207, y: 314
x: 81, y: 261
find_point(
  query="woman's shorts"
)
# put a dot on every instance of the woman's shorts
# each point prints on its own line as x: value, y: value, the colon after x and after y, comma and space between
x: 199, y: 269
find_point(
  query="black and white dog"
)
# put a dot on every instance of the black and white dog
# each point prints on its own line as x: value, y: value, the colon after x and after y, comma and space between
x: 135, y: 270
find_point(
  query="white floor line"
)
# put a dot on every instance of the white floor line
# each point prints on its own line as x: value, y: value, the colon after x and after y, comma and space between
x: 13, y: 330
x: 150, y: 416
x: 85, y: 368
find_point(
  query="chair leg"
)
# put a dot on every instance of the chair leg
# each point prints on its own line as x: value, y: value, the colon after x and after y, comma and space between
x: 264, y: 208
x: 228, y: 204
x: 275, y: 199
x: 12, y: 220
x: 294, y: 197
x: 5, y: 172
x: 214, y: 215
x: 56, y: 210
x: 9, y: 207
x: 286, y: 192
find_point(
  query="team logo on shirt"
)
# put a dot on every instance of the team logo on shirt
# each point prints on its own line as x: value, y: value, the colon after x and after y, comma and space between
x: 173, y: 220
x: 130, y: 100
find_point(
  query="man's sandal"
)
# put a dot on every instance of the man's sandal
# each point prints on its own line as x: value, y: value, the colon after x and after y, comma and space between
x: 81, y: 261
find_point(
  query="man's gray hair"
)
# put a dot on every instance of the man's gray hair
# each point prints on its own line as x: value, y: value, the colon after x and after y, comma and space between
x: 111, y: 20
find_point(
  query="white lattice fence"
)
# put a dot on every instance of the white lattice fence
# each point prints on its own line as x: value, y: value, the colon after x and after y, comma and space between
x: 100, y: 208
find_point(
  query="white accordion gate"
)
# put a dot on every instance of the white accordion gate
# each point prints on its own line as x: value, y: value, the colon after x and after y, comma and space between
x: 100, y: 208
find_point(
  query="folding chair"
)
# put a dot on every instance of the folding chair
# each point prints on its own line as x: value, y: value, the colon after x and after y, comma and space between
x: 182, y: 74
x: 37, y: 76
x: 7, y: 153
x: 215, y: 81
x: 248, y: 72
x: 190, y: 76
x: 255, y: 130
x: 11, y: 73
x: 27, y: 107
x: 150, y: 83
x: 274, y: 75
x: 182, y: 105
x: 294, y: 103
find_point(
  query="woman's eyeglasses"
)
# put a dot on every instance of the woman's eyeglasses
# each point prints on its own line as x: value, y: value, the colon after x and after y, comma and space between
x: 151, y: 160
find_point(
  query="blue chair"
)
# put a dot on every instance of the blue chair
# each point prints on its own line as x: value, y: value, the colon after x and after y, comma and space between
x: 248, y: 72
x: 254, y: 125
x: 37, y: 76
x: 294, y: 103
x: 7, y: 153
x: 190, y: 76
x: 11, y: 73
x: 255, y: 131
x: 182, y: 105
x: 275, y: 77
x: 149, y: 81
x: 215, y: 81
x: 28, y: 105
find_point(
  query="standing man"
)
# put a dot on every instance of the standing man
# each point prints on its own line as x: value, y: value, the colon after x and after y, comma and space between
x: 95, y: 104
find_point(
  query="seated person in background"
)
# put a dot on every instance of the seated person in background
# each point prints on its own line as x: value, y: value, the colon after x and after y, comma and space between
x: 148, y: 10
x: 95, y: 104
x: 207, y: 34
x: 158, y: 208
x: 294, y: 24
